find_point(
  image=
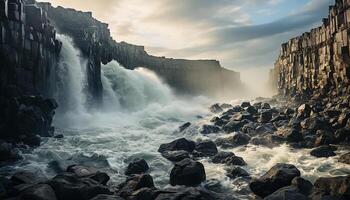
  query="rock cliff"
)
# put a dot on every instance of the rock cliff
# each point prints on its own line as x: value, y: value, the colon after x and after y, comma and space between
x: 93, y: 37
x: 317, y: 60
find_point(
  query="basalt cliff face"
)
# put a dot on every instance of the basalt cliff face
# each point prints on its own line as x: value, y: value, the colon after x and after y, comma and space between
x: 317, y: 60
x: 93, y: 37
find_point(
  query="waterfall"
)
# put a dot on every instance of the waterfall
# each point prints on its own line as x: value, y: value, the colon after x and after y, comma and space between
x: 71, y: 78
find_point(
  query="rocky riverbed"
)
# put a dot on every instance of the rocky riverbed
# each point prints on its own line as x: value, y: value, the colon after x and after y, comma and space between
x: 315, y: 127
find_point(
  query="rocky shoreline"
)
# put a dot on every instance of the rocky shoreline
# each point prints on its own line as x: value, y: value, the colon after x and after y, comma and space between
x: 320, y: 124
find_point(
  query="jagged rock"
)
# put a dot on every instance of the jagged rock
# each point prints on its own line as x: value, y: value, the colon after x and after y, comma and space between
x: 209, y: 129
x: 265, y: 116
x: 38, y: 192
x: 345, y: 158
x: 205, y: 148
x: 184, y: 126
x: 216, y: 108
x: 137, y: 166
x: 233, y: 126
x: 226, y: 106
x: 135, y: 183
x: 333, y: 186
x: 187, y: 172
x: 266, y: 106
x: 25, y: 177
x: 324, y: 151
x: 237, y: 172
x: 68, y: 186
x: 177, y: 145
x: 228, y: 158
x: 237, y: 139
x: 252, y: 110
x: 176, y: 156
x: 278, y: 176
x: 245, y: 104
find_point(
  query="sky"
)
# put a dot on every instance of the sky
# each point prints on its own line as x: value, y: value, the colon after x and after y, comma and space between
x: 244, y: 35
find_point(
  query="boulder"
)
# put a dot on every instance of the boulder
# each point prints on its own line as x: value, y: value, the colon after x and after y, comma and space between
x: 216, y: 108
x: 209, y: 129
x: 176, y: 156
x: 324, y: 138
x: 343, y: 119
x: 143, y: 194
x: 235, y: 140
x: 278, y: 176
x: 265, y: 106
x: 189, y: 193
x: 252, y: 110
x: 177, y: 145
x: 25, y: 177
x: 303, y: 186
x: 228, y: 158
x: 265, y: 116
x: 342, y: 136
x: 237, y: 172
x: 38, y: 192
x: 205, y: 148
x: 287, y: 193
x: 332, y: 186
x: 106, y: 197
x: 137, y: 166
x: 135, y: 183
x: 232, y: 126
x: 345, y: 158
x: 68, y: 186
x: 315, y: 123
x: 89, y: 172
x: 324, y: 151
x: 8, y: 152
x: 187, y: 172
x: 184, y: 126
x: 304, y: 111
x: 245, y: 104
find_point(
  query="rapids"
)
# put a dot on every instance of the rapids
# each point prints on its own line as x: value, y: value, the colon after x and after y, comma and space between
x: 139, y: 113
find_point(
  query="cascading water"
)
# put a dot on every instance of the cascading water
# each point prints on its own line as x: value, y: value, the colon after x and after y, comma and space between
x: 139, y: 113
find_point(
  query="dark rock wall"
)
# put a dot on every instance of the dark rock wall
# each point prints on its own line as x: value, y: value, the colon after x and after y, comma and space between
x: 317, y: 60
x: 94, y: 39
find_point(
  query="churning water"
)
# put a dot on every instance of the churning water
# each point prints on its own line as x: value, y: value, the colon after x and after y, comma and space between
x: 139, y: 113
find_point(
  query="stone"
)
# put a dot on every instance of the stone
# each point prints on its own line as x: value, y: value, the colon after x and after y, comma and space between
x: 237, y: 172
x: 135, y: 183
x: 286, y: 193
x: 304, y: 111
x: 304, y: 186
x: 137, y: 166
x: 324, y: 151
x: 293, y: 135
x: 265, y: 106
x: 233, y: 126
x: 176, y: 156
x: 245, y: 104
x: 106, y: 197
x: 205, y: 149
x: 187, y: 172
x: 24, y: 177
x: 278, y: 176
x: 315, y: 123
x: 343, y: 119
x: 342, y: 136
x: 143, y: 194
x: 235, y: 160
x: 189, y: 193
x: 209, y: 129
x: 345, y: 158
x: 38, y: 192
x: 335, y: 186
x: 222, y: 156
x: 324, y: 138
x: 235, y: 140
x: 184, y: 126
x: 216, y: 108
x: 265, y: 116
x: 177, y: 145
x: 252, y: 110
x: 69, y: 187
x: 8, y: 153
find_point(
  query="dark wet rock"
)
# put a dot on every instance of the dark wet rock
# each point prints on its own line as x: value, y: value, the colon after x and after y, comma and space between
x: 226, y: 106
x: 60, y: 166
x: 8, y: 153
x: 342, y: 136
x: 89, y: 172
x: 143, y: 194
x: 216, y: 108
x: 243, y: 116
x: 292, y: 135
x: 315, y: 123
x: 289, y: 111
x: 205, y: 148
x: 343, y: 119
x: 59, y: 136
x: 287, y: 193
x: 68, y: 186
x: 177, y: 145
x: 25, y: 177
x: 324, y: 138
x: 265, y: 116
x: 252, y: 110
x: 332, y: 113
x: 38, y: 192
x: 265, y: 106
x: 137, y: 166
x: 222, y: 156
x: 333, y: 186
x: 135, y: 183
x: 106, y: 197
x: 232, y: 126
x: 250, y: 128
x: 268, y: 128
x: 237, y: 139
x: 345, y: 158
x: 324, y: 151
x: 304, y: 186
x: 278, y: 176
x: 304, y: 111
x: 245, y: 104
x: 187, y: 172
x: 184, y: 126
x: 237, y: 172
x: 176, y: 156
x: 219, y: 121
x: 235, y: 160
x: 209, y: 129
x: 189, y: 193
x: 258, y: 105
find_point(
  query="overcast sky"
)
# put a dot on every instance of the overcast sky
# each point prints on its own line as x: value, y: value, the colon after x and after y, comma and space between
x: 241, y: 34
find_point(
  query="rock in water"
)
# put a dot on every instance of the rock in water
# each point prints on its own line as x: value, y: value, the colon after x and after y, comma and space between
x: 216, y: 108
x: 324, y: 151
x: 184, y: 126
x: 187, y: 172
x: 177, y: 145
x: 106, y: 197
x: 209, y: 129
x: 237, y: 172
x: 333, y: 186
x: 265, y: 116
x: 287, y: 193
x: 304, y: 111
x: 205, y: 148
x: 135, y: 183
x: 176, y: 156
x: 38, y: 192
x: 278, y: 176
x: 137, y: 166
